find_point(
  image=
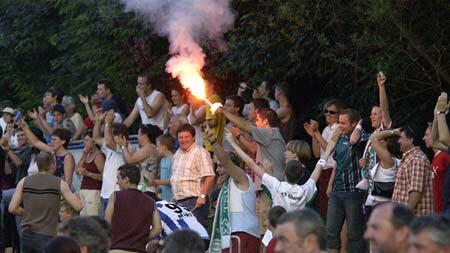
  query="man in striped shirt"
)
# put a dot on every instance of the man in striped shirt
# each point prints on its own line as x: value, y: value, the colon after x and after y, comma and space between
x: 346, y: 201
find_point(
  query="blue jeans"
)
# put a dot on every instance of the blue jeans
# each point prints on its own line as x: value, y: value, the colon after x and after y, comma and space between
x: 32, y: 242
x: 341, y: 206
x: 201, y: 213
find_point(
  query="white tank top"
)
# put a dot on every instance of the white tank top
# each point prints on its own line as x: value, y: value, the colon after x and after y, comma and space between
x: 161, y: 118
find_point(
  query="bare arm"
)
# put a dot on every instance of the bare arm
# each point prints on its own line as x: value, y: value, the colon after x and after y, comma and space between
x: 230, y: 168
x: 247, y: 159
x: 356, y: 134
x: 328, y: 151
x: 14, y: 158
x: 238, y: 121
x: 109, y: 212
x: 156, y: 224
x: 87, y: 106
x: 96, y: 135
x: 383, y: 153
x: 80, y: 132
x: 69, y: 166
x: 14, y: 205
x: 284, y: 113
x: 444, y: 134
x: 71, y: 198
x: 109, y: 139
x: 132, y: 117
x: 384, y: 104
x: 138, y: 156
x: 413, y: 199
x: 33, y: 140
x: 45, y: 125
x: 197, y: 117
x: 435, y: 137
x: 157, y: 104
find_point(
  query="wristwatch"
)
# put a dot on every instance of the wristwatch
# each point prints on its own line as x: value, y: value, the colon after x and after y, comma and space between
x: 202, y: 196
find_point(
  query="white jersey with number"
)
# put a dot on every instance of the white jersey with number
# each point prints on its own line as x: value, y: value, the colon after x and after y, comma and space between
x: 174, y: 217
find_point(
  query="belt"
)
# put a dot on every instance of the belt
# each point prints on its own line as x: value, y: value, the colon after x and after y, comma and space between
x: 188, y: 198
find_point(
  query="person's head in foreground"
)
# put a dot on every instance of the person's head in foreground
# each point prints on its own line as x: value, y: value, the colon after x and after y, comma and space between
x: 387, y: 228
x: 300, y: 231
x: 430, y: 234
x: 62, y: 244
x: 87, y: 232
x: 186, y: 241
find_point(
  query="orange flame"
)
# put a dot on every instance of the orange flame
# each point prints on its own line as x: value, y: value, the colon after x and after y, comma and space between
x: 190, y: 77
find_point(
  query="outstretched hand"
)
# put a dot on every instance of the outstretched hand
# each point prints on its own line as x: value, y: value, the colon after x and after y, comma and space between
x: 216, y: 108
x: 83, y: 99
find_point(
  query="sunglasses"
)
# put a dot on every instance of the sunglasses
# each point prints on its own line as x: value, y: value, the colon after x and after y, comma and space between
x: 330, y: 112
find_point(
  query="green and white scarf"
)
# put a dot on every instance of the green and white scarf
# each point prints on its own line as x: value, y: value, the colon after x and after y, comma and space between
x: 221, y: 232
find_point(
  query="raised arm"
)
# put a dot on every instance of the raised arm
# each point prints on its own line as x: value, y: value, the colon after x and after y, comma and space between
x: 196, y: 117
x: 434, y: 140
x: 247, y: 159
x: 87, y: 106
x: 442, y: 109
x: 109, y: 139
x: 328, y: 151
x: 155, y: 107
x: 43, y: 122
x: 230, y: 168
x: 238, y: 121
x: 132, y: 117
x: 384, y: 104
x: 96, y: 135
x: 247, y: 144
x: 356, y: 134
x: 138, y: 156
x: 382, y: 152
x: 33, y: 140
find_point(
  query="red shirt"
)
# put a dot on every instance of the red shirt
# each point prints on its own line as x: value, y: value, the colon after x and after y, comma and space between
x: 439, y: 166
x: 271, y: 246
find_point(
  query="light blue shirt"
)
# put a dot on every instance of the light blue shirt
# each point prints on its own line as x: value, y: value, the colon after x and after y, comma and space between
x: 165, y: 166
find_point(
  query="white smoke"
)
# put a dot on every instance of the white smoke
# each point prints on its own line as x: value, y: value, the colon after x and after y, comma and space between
x: 185, y: 23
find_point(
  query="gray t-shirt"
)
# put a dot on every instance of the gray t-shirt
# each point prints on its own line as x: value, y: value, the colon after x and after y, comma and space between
x: 271, y: 146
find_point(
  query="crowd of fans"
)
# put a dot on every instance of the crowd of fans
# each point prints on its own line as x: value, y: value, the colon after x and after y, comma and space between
x: 230, y: 180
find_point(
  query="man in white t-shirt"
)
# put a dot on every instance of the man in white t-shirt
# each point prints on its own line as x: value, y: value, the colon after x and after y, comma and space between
x: 151, y: 105
x: 113, y: 152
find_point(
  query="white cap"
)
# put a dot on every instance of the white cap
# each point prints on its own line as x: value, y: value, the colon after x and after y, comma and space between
x: 9, y: 110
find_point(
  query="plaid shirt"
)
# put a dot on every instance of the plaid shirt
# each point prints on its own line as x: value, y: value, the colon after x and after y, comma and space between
x: 414, y: 174
x: 347, y: 156
x: 188, y: 169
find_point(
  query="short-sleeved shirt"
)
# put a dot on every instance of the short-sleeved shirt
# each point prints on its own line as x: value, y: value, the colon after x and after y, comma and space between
x: 347, y: 156
x: 161, y: 118
x: 327, y: 133
x: 165, y: 166
x: 414, y: 174
x: 439, y: 166
x: 289, y: 196
x: 271, y: 146
x: 188, y: 169
x: 221, y: 121
x: 114, y: 159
